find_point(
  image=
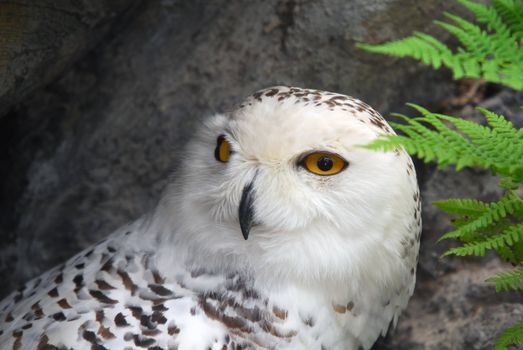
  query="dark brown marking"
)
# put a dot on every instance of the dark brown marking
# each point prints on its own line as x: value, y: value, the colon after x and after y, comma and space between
x: 158, y: 279
x: 151, y: 332
x: 145, y: 320
x: 90, y: 337
x: 59, y: 316
x: 143, y: 342
x: 229, y: 321
x: 269, y: 328
x: 37, y: 310
x: 280, y: 313
x: 160, y: 290
x: 172, y: 330
x: 271, y: 92
x: 101, y: 284
x: 350, y: 306
x: 17, y: 345
x: 258, y: 95
x: 158, y: 317
x: 78, y: 280
x: 159, y: 307
x: 102, y: 297
x: 108, y: 265
x: 79, y: 266
x: 100, y: 316
x: 43, y: 344
x: 136, y: 311
x: 127, y: 281
x: 59, y: 278
x: 105, y: 332
x: 119, y: 320
x: 9, y: 317
x: 53, y: 293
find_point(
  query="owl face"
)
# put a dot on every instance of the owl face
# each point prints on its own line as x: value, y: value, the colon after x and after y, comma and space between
x: 279, y: 167
x: 281, y: 187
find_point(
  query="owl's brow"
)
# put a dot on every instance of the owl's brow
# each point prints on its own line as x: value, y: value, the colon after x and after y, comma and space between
x: 229, y: 133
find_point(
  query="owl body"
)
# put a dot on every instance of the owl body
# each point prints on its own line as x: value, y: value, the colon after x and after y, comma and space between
x: 279, y: 232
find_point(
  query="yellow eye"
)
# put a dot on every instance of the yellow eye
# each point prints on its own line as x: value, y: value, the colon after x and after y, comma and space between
x: 324, y: 163
x: 222, y: 153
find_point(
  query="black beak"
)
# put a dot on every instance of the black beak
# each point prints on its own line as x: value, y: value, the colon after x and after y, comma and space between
x: 246, y: 212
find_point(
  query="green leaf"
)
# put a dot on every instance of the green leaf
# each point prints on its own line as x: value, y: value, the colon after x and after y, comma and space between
x: 494, y: 54
x: 510, y: 336
x: 508, y: 280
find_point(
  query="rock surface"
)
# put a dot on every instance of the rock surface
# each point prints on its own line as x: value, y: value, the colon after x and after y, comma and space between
x: 94, y: 149
x: 39, y: 39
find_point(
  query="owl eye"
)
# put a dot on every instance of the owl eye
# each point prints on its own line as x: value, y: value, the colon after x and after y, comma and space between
x: 222, y: 153
x: 324, y: 163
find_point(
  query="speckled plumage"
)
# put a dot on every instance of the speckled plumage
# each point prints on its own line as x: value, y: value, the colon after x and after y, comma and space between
x: 329, y: 264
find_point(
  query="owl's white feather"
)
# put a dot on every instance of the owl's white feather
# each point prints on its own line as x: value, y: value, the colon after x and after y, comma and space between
x: 329, y: 262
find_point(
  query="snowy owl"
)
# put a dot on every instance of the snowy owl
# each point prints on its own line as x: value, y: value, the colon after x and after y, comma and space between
x: 278, y: 232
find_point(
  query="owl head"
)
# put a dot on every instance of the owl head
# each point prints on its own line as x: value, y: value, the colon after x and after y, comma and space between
x: 283, y: 181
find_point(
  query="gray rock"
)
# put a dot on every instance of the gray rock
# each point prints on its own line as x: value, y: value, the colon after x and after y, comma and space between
x: 39, y: 39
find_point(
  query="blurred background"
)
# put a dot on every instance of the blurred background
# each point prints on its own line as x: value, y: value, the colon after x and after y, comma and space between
x: 98, y: 97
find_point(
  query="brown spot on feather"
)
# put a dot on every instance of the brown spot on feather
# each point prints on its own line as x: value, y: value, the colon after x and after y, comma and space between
x: 119, y: 320
x: 172, y: 330
x: 43, y: 344
x: 160, y: 290
x: 37, y: 310
x: 53, y: 293
x: 158, y: 279
x: 101, y: 284
x: 143, y: 342
x: 350, y: 306
x: 59, y: 278
x: 127, y: 281
x: 105, y: 332
x: 280, y: 313
x: 341, y: 309
x: 101, y: 297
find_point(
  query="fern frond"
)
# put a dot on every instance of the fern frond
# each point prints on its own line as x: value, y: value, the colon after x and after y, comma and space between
x: 510, y: 336
x: 484, y: 14
x: 511, y: 12
x: 470, y: 207
x: 498, y: 146
x: 508, y: 280
x: 496, y: 211
x: 419, y: 46
x: 508, y: 238
x: 494, y: 54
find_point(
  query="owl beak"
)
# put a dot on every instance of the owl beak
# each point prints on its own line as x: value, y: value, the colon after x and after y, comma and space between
x: 246, y: 212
